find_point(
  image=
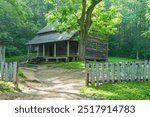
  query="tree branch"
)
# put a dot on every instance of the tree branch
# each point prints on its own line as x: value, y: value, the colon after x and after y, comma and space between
x: 88, y: 20
x: 82, y: 19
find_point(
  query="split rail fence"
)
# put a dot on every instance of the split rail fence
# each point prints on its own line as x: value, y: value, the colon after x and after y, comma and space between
x: 9, y: 72
x: 97, y: 73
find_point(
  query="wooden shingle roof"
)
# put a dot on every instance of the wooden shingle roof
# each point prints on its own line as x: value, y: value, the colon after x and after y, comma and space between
x: 47, y: 35
x: 46, y: 29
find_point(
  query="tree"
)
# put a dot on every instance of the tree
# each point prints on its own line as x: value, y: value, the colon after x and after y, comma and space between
x: 129, y: 42
x: 89, y: 16
x: 12, y: 13
x: 19, y: 22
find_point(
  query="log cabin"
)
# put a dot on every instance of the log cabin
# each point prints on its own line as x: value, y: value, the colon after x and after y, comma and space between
x: 53, y: 45
x: 50, y: 44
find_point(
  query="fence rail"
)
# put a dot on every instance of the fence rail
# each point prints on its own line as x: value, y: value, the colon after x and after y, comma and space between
x: 9, y: 72
x: 117, y: 72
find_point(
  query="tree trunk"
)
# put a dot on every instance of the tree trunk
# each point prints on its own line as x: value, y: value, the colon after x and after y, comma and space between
x: 82, y: 44
x: 85, y: 22
x: 81, y: 49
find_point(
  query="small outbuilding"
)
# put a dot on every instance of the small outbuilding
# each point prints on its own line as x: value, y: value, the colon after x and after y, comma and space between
x: 2, y: 51
x: 53, y: 45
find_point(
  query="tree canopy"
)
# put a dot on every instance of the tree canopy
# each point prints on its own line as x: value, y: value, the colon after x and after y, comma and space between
x: 67, y: 13
x: 88, y: 16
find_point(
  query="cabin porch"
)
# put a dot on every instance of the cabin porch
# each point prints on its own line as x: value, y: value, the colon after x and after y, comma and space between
x: 55, y: 51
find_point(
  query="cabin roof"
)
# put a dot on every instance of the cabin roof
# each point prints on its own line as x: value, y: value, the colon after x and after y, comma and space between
x: 51, y: 37
x: 46, y: 29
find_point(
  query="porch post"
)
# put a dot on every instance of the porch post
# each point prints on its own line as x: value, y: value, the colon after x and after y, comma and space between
x: 43, y: 49
x: 38, y: 49
x: 55, y: 47
x: 68, y: 49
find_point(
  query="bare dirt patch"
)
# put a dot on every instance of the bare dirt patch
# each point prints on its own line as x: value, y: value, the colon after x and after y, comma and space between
x: 44, y: 83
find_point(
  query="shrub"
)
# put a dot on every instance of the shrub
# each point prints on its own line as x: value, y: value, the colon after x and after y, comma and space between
x: 13, y: 51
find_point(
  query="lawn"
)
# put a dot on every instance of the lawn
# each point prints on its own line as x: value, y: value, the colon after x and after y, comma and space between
x: 120, y: 91
x: 120, y: 59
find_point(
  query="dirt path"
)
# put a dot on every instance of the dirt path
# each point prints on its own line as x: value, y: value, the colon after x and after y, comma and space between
x: 53, y: 83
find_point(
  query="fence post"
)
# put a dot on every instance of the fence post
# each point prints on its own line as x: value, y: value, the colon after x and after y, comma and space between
x: 97, y: 74
x: 133, y: 71
x: 118, y: 72
x: 10, y: 68
x: 15, y: 75
x: 87, y: 73
x: 128, y: 72
x: 93, y: 74
x: 6, y: 72
x: 139, y: 71
x: 107, y: 72
x: 123, y: 71
x: 102, y: 70
x: 145, y: 70
x: 113, y: 71
x: 2, y: 70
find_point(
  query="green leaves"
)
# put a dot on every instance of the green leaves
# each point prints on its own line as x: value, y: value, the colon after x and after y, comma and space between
x: 67, y: 12
x: 105, y: 21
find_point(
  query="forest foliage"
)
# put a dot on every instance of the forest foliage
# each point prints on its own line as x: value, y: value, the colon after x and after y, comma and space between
x: 21, y: 19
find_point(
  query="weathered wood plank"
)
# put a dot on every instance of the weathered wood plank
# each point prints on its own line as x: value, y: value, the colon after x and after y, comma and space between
x: 123, y: 71
x: 93, y: 74
x: 133, y: 71
x: 102, y: 73
x: 97, y: 74
x: 118, y: 72
x: 2, y: 70
x: 87, y: 73
x: 145, y: 70
x: 90, y: 73
x: 139, y: 71
x: 113, y: 72
x: 107, y: 73
x: 6, y: 72
x: 10, y: 71
x: 128, y: 72
x: 15, y: 74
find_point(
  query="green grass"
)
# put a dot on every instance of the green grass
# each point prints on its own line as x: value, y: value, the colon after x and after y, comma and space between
x: 68, y: 65
x: 120, y: 91
x: 6, y: 87
x: 120, y: 59
x: 81, y: 64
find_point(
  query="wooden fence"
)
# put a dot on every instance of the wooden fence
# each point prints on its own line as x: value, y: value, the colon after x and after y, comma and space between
x: 117, y: 72
x: 9, y: 72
